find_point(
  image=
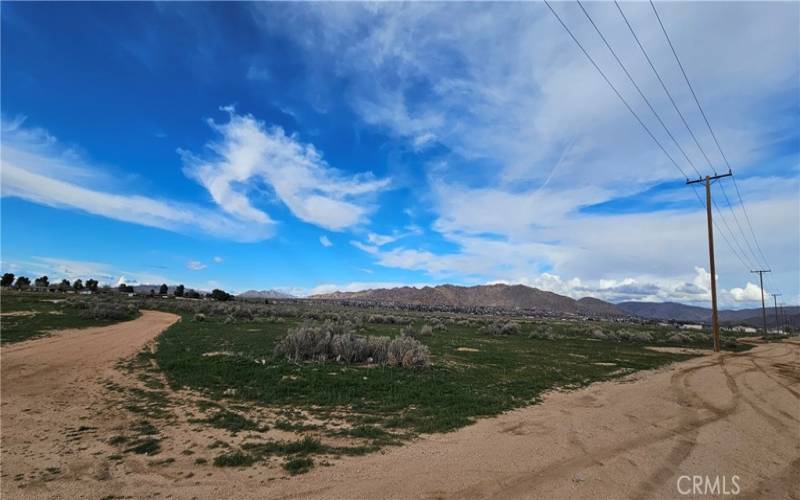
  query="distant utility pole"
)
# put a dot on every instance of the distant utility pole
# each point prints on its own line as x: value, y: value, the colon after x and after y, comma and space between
x: 714, y: 314
x: 763, y: 306
x: 775, y: 298
x: 783, y: 318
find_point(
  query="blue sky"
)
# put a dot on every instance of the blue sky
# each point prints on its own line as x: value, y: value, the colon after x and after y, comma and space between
x: 312, y: 147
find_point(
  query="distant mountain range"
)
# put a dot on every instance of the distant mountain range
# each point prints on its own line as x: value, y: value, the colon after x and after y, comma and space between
x: 681, y: 312
x: 264, y: 294
x: 508, y: 297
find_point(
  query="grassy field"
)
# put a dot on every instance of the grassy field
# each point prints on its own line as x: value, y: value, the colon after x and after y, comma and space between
x: 472, y: 375
x: 29, y: 315
x: 260, y: 406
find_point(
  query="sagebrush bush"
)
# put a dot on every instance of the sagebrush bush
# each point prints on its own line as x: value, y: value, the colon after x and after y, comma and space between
x: 499, y: 328
x: 110, y: 311
x: 408, y: 353
x: 336, y: 342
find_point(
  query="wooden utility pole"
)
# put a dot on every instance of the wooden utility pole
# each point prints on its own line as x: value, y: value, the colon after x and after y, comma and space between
x: 714, y: 314
x: 777, y: 324
x: 763, y: 306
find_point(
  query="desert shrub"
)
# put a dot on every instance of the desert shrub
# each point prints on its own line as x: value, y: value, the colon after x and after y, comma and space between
x: 641, y: 337
x: 199, y: 317
x: 409, y: 331
x: 108, y: 311
x: 298, y: 465
x: 427, y: 330
x: 307, y: 342
x: 348, y: 348
x: 378, y: 349
x: 677, y: 338
x: 599, y: 334
x: 408, y: 353
x: 336, y: 342
x: 498, y: 328
x: 234, y: 459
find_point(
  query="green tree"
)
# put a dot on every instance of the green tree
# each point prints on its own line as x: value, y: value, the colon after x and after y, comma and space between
x: 42, y: 282
x: 92, y: 284
x: 23, y: 282
x: 163, y: 289
x: 221, y: 295
x: 78, y: 285
x: 7, y: 280
x: 179, y: 291
x: 64, y: 285
x: 123, y: 288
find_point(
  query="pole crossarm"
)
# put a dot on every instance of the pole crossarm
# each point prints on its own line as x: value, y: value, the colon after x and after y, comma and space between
x: 709, y: 178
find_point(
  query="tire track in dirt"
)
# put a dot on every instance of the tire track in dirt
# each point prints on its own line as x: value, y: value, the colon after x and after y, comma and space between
x: 691, y: 402
x: 52, y: 399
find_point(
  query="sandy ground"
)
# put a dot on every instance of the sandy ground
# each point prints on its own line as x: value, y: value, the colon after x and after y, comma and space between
x: 717, y: 416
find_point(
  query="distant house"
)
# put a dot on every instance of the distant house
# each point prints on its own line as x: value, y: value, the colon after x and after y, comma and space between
x: 691, y: 327
x: 744, y: 329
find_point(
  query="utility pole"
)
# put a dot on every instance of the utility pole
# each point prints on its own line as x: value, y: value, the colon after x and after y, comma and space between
x: 783, y: 318
x: 775, y: 298
x: 714, y: 314
x: 763, y: 306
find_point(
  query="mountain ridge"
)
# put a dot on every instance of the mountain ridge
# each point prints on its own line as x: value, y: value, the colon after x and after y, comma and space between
x: 265, y: 294
x: 501, y: 296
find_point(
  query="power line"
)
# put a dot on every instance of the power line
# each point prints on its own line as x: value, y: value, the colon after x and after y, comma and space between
x: 749, y: 263
x: 639, y: 120
x: 635, y: 115
x: 639, y: 90
x: 747, y: 218
x: 663, y: 85
x: 666, y: 129
x: 736, y: 220
x: 710, y: 129
x: 688, y: 128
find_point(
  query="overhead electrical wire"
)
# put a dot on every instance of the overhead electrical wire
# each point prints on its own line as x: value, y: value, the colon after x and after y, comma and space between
x: 641, y: 122
x: 686, y: 125
x: 625, y: 102
x: 713, y: 134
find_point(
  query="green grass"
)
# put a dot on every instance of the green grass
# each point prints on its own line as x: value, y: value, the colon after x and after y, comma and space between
x: 146, y: 446
x: 505, y: 372
x: 234, y: 459
x: 45, y: 315
x: 299, y: 465
x: 231, y: 421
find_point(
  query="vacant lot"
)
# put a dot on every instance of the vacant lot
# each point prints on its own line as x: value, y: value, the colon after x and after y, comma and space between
x: 29, y: 315
x: 82, y: 424
x: 472, y: 375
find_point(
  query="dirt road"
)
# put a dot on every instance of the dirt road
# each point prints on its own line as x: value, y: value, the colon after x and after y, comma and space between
x: 723, y: 415
x: 734, y: 418
x: 49, y: 391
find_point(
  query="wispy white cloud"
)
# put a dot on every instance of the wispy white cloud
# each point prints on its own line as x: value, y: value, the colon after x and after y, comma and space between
x: 195, y: 265
x: 218, y: 260
x: 551, y: 138
x: 248, y: 152
x: 325, y: 241
x: 37, y: 168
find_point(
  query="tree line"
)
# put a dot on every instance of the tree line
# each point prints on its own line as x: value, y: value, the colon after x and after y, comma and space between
x: 9, y: 280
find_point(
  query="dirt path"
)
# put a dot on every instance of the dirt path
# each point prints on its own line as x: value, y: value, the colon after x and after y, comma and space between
x: 50, y: 391
x: 722, y: 415
x: 718, y: 416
